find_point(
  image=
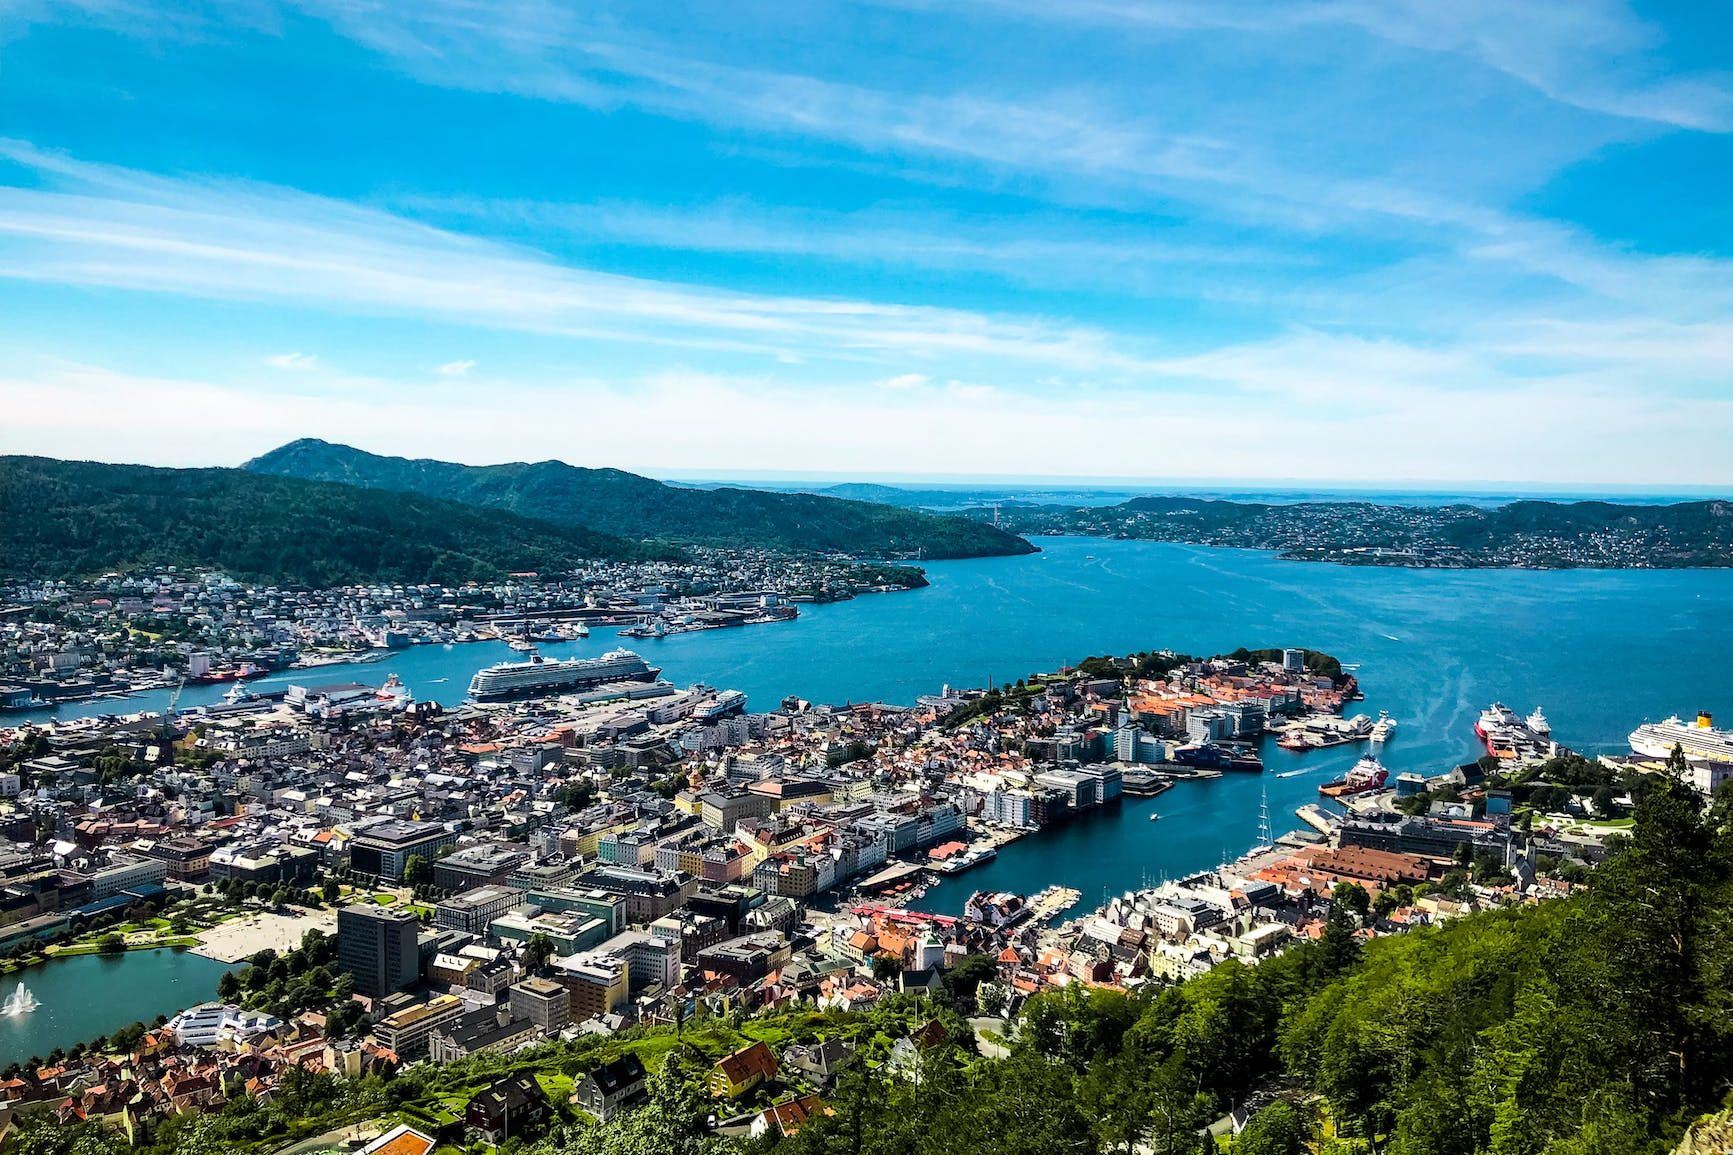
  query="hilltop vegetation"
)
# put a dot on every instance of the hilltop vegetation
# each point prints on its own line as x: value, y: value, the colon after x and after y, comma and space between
x: 71, y: 518
x: 624, y: 504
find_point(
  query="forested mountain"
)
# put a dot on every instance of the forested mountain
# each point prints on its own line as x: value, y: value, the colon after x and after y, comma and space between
x: 629, y: 506
x: 67, y: 518
x: 1538, y: 534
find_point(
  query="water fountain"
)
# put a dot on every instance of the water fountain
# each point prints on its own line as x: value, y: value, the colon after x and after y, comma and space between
x: 19, y: 1002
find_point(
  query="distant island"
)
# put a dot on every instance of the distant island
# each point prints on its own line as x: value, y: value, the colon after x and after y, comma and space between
x: 1522, y: 534
x: 625, y: 505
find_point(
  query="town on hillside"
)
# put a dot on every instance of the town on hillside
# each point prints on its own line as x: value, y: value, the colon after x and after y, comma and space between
x: 399, y: 884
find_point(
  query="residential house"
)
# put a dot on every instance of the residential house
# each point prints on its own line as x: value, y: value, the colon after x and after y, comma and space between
x: 608, y: 1089
x: 734, y: 1075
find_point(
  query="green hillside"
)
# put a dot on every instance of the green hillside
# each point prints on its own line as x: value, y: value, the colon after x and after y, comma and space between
x: 613, y: 501
x: 68, y: 518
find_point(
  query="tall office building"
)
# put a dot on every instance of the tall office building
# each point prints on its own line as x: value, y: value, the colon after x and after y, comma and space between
x: 378, y: 947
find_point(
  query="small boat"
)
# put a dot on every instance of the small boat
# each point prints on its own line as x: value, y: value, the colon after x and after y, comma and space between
x: 1154, y: 817
x: 436, y: 681
x: 1291, y: 773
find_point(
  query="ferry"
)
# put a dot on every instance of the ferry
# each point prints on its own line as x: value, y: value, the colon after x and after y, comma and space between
x: 1367, y: 775
x: 1699, y: 740
x: 546, y: 676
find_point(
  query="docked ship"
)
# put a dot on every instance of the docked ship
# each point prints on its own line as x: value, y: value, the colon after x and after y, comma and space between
x: 1320, y: 732
x: 1219, y: 756
x: 1367, y: 775
x: 541, y: 675
x: 1384, y: 727
x: 1698, y: 740
x: 1509, y: 736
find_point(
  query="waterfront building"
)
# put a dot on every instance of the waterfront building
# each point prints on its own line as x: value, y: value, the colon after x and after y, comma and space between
x: 127, y: 874
x: 377, y: 946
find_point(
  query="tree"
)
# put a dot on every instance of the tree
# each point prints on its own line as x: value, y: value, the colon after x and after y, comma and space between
x: 1354, y: 897
x: 417, y: 870
x: 228, y: 987
x: 963, y: 981
x: 886, y: 967
x: 112, y: 943
x: 1282, y: 1128
x: 330, y: 892
x: 537, y: 951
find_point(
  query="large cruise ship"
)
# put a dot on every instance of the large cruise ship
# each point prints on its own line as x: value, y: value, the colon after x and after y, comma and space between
x: 541, y: 675
x: 1699, y: 740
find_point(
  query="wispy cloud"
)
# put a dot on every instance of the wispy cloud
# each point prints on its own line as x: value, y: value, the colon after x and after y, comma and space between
x: 1590, y: 54
x: 300, y: 361
x: 455, y: 368
x: 232, y: 240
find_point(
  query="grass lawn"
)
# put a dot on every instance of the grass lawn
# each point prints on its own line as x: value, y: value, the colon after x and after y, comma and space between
x: 384, y: 899
x: 557, y: 1087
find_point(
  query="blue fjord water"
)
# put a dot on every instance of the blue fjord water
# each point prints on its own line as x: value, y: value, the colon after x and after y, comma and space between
x: 1601, y: 650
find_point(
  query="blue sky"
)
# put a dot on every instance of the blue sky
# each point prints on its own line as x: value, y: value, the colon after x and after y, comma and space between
x: 1367, y: 240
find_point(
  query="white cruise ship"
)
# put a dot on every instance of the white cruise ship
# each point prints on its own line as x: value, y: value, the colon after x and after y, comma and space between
x: 1699, y: 740
x: 541, y: 675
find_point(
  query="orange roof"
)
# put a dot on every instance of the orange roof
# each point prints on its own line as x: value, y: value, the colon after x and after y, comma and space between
x: 406, y: 1141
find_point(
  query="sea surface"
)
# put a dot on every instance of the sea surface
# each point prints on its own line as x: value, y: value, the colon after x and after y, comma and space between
x: 92, y: 995
x: 1600, y: 650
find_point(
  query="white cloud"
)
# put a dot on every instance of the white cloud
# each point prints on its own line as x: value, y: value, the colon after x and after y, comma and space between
x: 455, y: 368
x: 903, y: 381
x: 300, y: 361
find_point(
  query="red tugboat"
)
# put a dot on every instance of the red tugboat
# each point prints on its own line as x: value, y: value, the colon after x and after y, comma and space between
x: 1367, y: 775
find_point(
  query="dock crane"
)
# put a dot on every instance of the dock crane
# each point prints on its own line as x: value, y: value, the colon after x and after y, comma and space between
x: 168, y: 711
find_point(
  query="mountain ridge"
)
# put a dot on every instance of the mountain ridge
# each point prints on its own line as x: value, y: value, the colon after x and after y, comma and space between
x: 69, y: 518
x: 629, y: 506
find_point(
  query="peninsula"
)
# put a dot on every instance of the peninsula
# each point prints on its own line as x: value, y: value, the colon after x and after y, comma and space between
x: 1525, y: 534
